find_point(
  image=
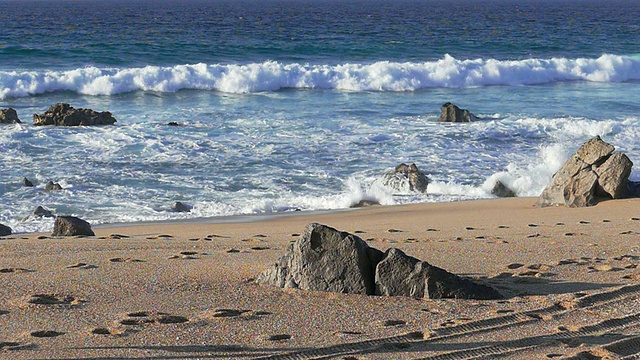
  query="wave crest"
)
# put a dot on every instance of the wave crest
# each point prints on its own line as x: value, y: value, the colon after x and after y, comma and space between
x: 447, y: 72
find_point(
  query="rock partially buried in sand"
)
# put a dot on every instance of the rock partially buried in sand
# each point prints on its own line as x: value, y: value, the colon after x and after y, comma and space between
x: 594, y: 172
x: 5, y: 230
x: 62, y: 114
x: 452, y: 113
x: 71, y: 226
x: 326, y: 259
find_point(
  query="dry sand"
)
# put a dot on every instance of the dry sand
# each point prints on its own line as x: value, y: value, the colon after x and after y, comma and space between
x: 184, y: 290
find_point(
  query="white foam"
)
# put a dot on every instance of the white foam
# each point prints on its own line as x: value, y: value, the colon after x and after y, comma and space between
x: 447, y: 72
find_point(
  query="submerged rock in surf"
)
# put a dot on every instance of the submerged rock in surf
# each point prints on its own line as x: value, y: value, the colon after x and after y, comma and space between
x: 452, y: 113
x: 65, y: 115
x: 406, y: 178
x: 52, y: 186
x: 501, y: 190
x: 9, y: 116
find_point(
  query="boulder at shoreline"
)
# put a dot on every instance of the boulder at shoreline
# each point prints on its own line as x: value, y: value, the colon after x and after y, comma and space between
x: 71, y: 226
x: 406, y: 178
x: 5, y: 230
x: 594, y: 172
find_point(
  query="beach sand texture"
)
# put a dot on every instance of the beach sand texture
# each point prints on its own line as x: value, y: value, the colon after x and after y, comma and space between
x: 186, y: 291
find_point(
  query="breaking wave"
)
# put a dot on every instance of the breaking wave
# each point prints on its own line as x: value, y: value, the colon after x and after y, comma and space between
x: 447, y: 72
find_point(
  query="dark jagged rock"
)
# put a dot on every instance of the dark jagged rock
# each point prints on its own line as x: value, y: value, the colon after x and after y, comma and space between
x: 406, y: 178
x: 398, y: 274
x: 9, y: 116
x: 173, y: 123
x: 5, y: 230
x: 452, y: 113
x: 65, y: 115
x: 365, y: 203
x: 325, y: 259
x: 71, y: 226
x: 27, y: 182
x: 592, y: 173
x: 180, y: 207
x: 330, y: 260
x: 42, y: 212
x: 501, y: 190
x: 52, y: 186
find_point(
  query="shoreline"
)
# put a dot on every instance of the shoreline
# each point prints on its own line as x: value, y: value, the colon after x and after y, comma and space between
x: 187, y: 289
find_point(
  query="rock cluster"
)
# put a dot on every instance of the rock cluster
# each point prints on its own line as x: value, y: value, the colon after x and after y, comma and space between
x: 65, y: 115
x: 71, y: 226
x: 406, y: 178
x: 9, y: 116
x: 325, y: 259
x: 593, y: 173
x: 451, y: 113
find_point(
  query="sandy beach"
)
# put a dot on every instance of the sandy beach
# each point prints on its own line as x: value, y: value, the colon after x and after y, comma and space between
x: 186, y: 290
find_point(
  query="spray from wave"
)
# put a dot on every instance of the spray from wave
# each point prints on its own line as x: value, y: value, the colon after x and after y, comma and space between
x: 447, y: 72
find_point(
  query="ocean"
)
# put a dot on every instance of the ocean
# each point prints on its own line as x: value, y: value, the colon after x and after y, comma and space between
x: 301, y: 105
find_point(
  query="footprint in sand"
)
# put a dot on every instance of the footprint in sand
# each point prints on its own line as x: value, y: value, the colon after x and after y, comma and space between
x: 533, y: 225
x: 81, y: 265
x: 503, y: 227
x: 152, y: 317
x: 394, y: 230
x: 278, y: 337
x: 119, y: 236
x: 514, y: 266
x: 296, y: 234
x: 584, y: 222
x: 260, y: 248
x: 8, y: 345
x: 389, y: 323
x: 15, y: 270
x: 123, y: 260
x: 113, y: 331
x: 54, y: 299
x: 46, y: 333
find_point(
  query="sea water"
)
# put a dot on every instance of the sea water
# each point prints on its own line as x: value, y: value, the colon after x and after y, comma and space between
x: 288, y: 105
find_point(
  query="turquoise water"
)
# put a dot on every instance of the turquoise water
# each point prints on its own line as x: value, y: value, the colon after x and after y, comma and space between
x: 289, y: 105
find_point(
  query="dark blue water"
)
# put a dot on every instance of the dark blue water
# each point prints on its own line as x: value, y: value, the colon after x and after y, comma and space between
x: 70, y: 34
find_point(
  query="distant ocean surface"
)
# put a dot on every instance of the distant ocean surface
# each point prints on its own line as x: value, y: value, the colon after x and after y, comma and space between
x: 303, y: 104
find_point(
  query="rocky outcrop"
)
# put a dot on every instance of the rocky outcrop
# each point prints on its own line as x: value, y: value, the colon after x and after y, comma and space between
x: 406, y: 178
x: 66, y: 115
x: 593, y: 173
x: 451, y: 113
x: 501, y: 190
x: 71, y: 226
x: 326, y: 259
x: 52, y: 186
x: 9, y: 116
x: 5, y: 230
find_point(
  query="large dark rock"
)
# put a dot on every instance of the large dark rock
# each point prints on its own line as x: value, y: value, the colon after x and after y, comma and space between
x: 66, y: 115
x: 502, y: 190
x: 452, y: 113
x: 325, y: 259
x: 330, y: 260
x: 594, y: 172
x: 71, y: 226
x: 5, y: 230
x: 9, y: 116
x: 180, y: 207
x: 406, y: 178
x: 398, y: 274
